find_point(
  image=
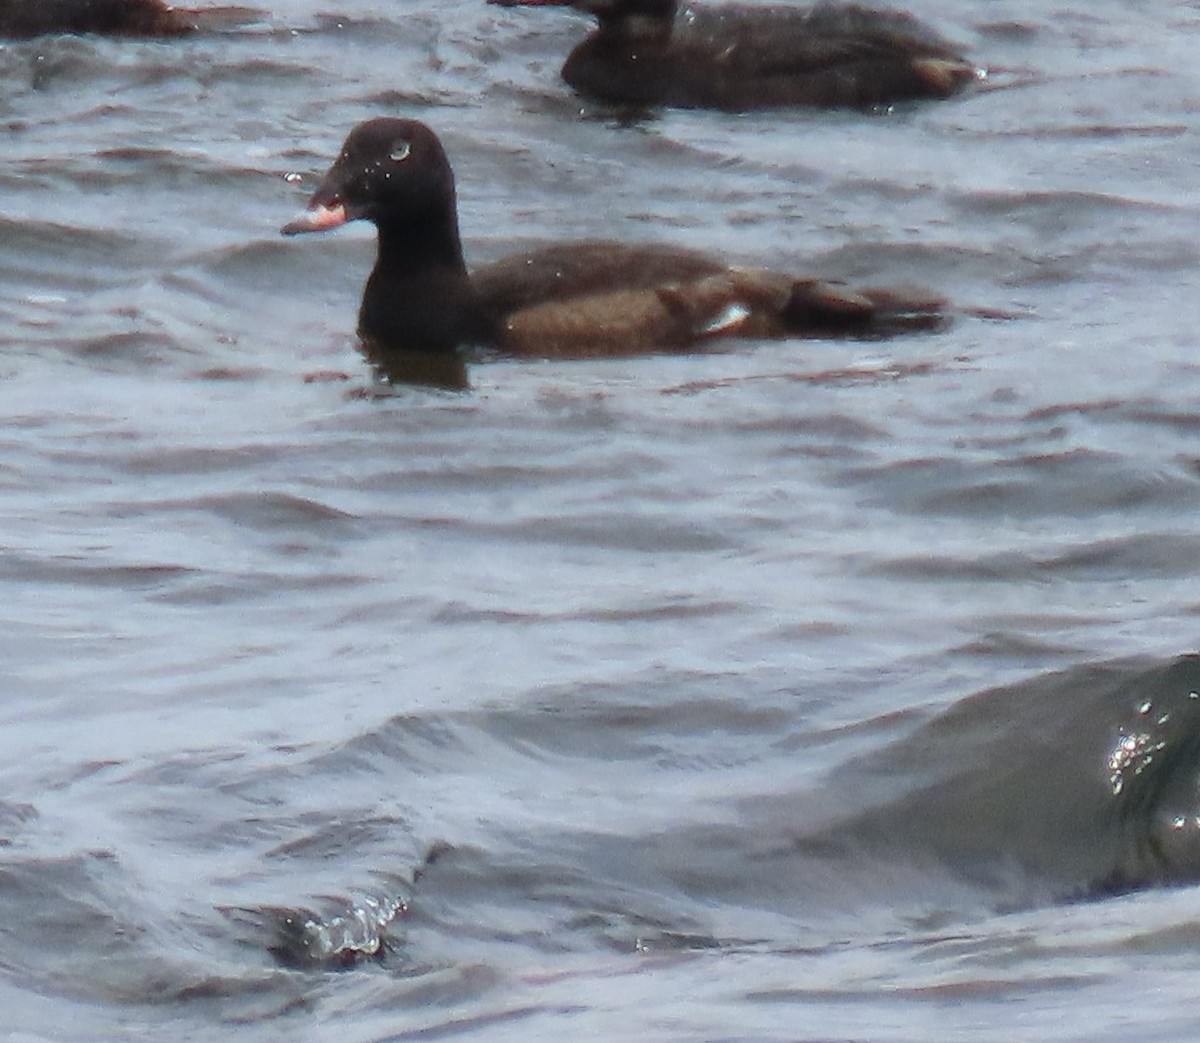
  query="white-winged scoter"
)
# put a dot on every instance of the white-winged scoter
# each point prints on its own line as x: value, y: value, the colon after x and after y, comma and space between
x: 25, y: 19
x: 738, y: 57
x: 571, y: 300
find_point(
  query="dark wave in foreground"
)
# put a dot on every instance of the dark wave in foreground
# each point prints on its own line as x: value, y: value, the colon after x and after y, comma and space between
x: 1071, y: 786
x: 1068, y: 787
x: 1084, y: 781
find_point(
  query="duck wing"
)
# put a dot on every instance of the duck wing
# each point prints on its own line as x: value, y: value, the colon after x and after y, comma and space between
x: 573, y: 270
x: 832, y: 54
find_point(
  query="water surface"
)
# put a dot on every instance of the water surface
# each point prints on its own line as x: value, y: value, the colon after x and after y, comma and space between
x: 831, y: 690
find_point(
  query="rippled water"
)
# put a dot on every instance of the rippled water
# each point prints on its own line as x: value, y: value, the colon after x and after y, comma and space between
x: 818, y: 691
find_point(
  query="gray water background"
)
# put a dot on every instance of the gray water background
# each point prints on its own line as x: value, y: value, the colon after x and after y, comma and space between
x: 776, y: 693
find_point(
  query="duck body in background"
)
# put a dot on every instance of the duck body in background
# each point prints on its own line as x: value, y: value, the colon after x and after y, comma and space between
x: 25, y: 19
x: 22, y: 19
x: 741, y: 57
x: 567, y: 300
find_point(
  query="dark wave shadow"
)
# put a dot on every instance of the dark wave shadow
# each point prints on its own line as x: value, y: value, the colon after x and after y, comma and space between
x: 1070, y: 785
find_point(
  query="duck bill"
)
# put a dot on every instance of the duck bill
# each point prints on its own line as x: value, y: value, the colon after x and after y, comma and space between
x: 318, y: 218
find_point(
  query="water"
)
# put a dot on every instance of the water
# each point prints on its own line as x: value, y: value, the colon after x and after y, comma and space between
x: 829, y: 691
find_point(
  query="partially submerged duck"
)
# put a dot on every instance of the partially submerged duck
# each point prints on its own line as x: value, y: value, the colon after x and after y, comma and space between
x: 25, y: 19
x: 569, y: 300
x: 738, y: 57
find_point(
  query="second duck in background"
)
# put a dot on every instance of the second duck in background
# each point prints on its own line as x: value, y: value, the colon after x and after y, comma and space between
x: 738, y: 57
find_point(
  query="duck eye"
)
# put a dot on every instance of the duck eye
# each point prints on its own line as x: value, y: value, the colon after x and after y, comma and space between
x: 400, y: 151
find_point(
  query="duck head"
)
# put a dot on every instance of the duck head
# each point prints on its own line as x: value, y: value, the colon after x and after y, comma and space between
x: 391, y: 172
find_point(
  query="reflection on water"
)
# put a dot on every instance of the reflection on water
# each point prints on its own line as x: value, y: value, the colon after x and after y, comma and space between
x: 438, y: 369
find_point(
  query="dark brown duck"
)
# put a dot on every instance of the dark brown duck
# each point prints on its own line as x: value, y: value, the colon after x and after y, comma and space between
x: 21, y: 19
x: 25, y: 19
x: 734, y: 57
x: 571, y: 300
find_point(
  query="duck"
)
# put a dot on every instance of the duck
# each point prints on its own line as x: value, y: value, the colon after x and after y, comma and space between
x: 570, y: 300
x: 26, y: 19
x: 739, y: 58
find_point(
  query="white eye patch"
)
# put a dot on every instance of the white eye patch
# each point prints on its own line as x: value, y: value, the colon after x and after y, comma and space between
x: 401, y: 150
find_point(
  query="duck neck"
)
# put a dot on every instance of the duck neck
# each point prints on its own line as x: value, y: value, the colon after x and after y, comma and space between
x: 419, y: 296
x: 420, y: 241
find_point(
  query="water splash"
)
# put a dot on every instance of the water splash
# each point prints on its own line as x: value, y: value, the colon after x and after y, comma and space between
x: 358, y: 934
x: 1135, y: 751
